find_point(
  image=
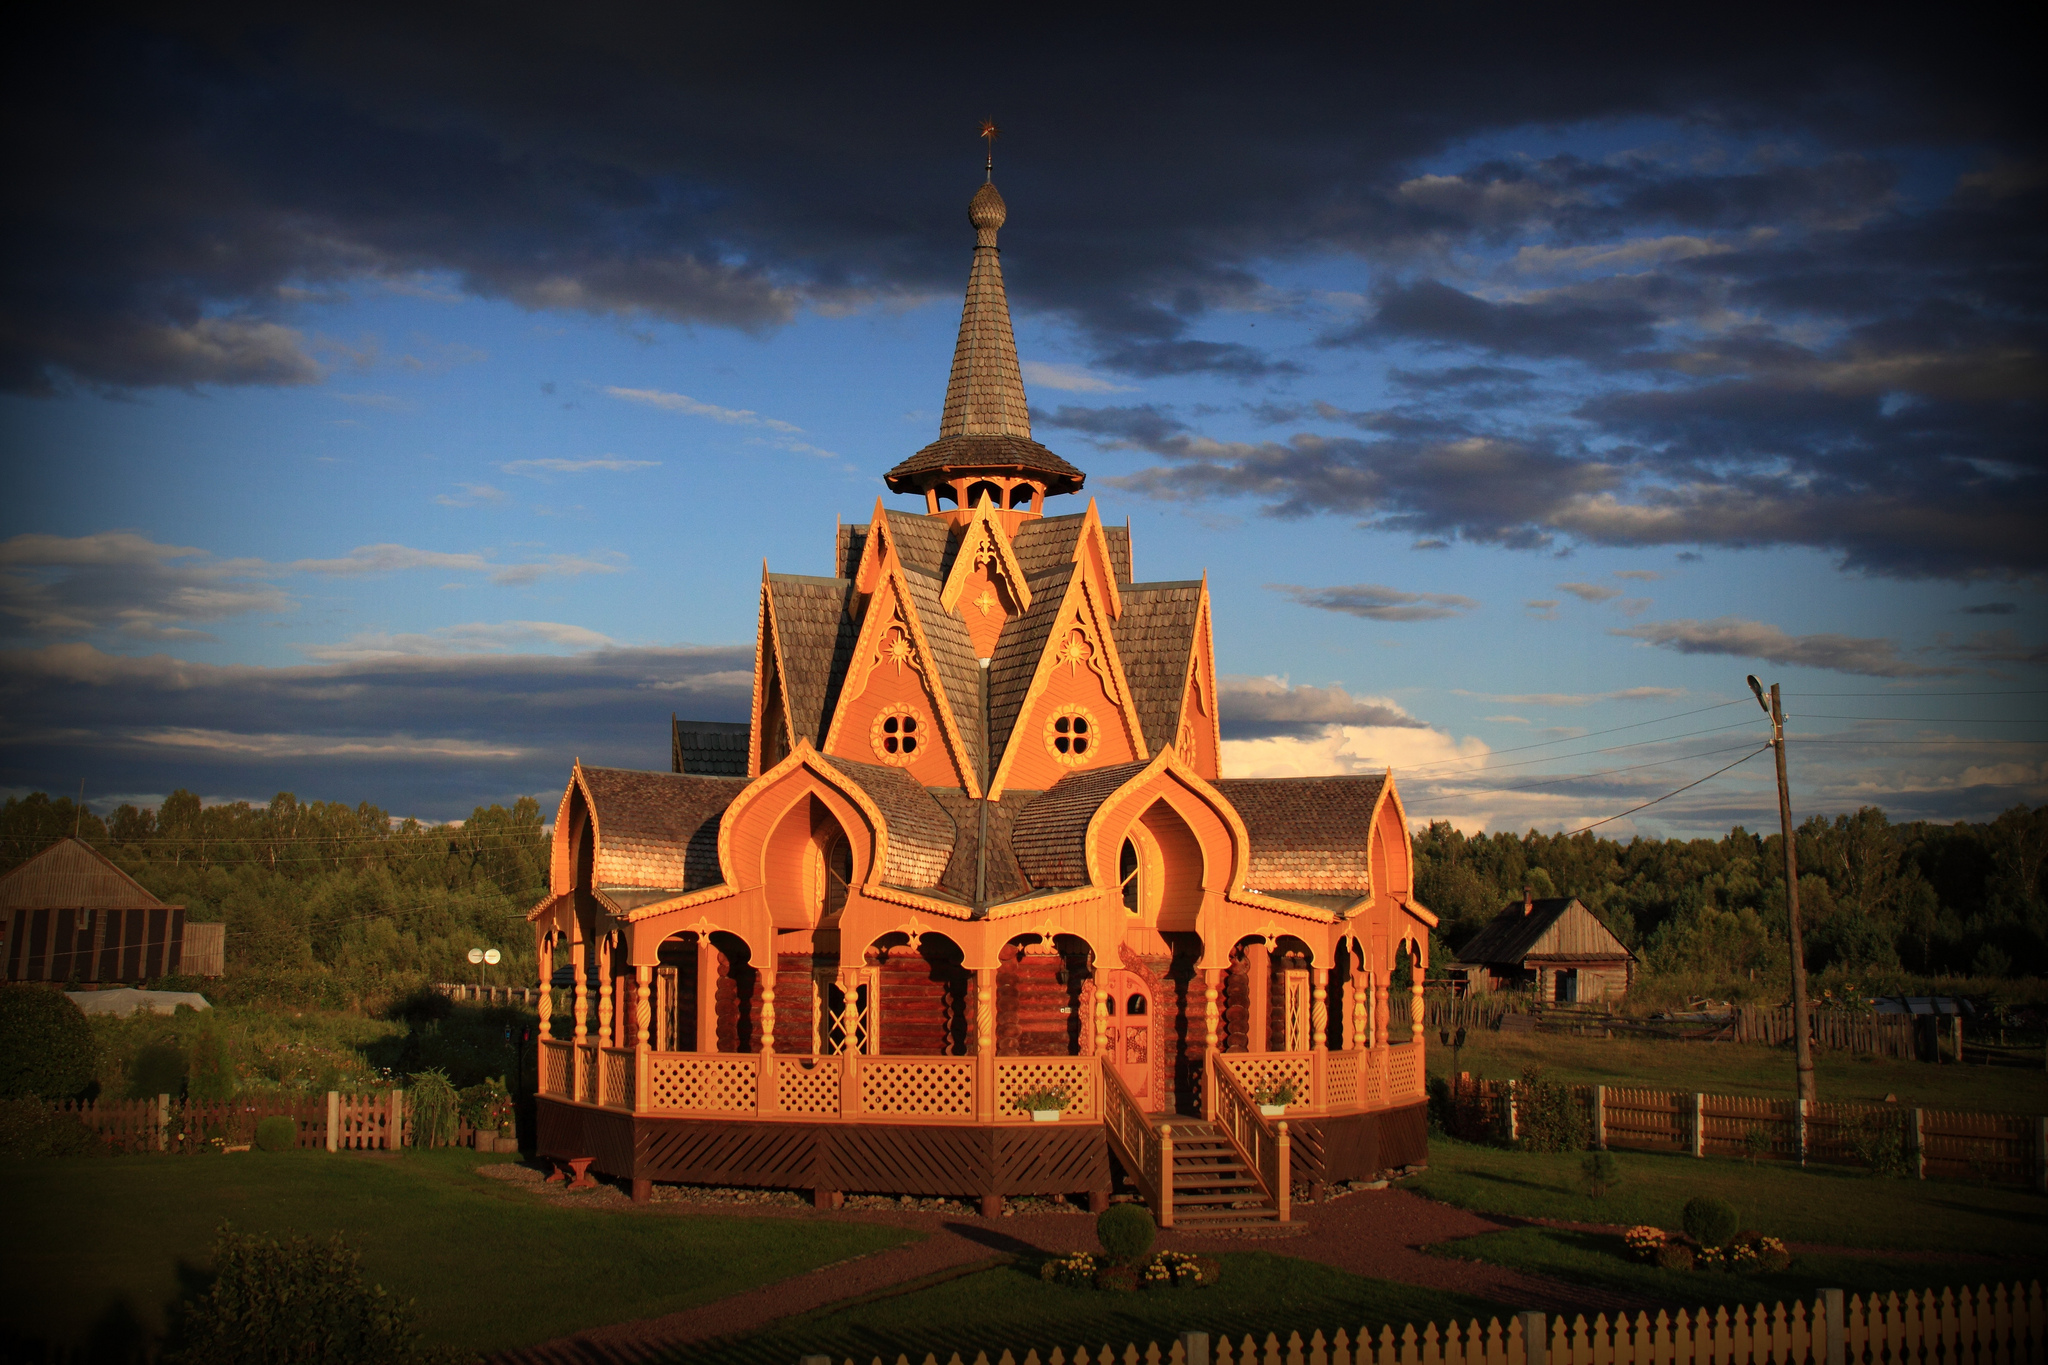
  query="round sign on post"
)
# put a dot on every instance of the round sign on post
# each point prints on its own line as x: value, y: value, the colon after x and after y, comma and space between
x: 476, y: 955
x: 491, y: 956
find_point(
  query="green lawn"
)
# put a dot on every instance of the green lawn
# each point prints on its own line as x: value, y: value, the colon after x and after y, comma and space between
x: 1821, y: 1204
x: 1007, y: 1307
x: 1598, y: 1259
x: 99, y: 1246
x: 1744, y: 1069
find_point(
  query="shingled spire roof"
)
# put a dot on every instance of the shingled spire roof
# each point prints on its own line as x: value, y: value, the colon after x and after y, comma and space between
x: 986, y: 425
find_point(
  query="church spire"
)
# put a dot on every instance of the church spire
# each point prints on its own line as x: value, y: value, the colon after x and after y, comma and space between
x: 985, y: 396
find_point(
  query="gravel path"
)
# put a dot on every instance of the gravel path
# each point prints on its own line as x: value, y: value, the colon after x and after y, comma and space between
x: 1377, y: 1233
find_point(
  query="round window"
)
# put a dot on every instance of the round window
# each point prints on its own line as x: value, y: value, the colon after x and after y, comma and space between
x: 1071, y: 735
x: 899, y: 735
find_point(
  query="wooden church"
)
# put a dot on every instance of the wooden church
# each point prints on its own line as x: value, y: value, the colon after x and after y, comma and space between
x: 978, y: 915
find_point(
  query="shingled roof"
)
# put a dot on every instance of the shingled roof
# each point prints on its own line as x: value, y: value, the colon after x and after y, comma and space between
x: 817, y: 634
x: 1309, y: 834
x: 1050, y: 837
x: 73, y: 875
x: 960, y: 674
x: 1017, y: 655
x: 1519, y: 929
x: 657, y: 829
x: 1015, y: 455
x: 920, y: 831
x: 1153, y: 639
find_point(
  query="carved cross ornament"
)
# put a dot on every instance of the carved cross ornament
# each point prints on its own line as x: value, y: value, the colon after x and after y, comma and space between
x: 987, y: 601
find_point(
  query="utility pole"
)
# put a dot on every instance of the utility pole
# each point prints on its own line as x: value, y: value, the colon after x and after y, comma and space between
x: 1802, y: 1039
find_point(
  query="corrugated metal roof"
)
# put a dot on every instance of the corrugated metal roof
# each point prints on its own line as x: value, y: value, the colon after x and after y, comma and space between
x: 72, y: 875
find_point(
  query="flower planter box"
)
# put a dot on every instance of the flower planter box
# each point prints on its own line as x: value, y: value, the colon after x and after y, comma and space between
x: 1045, y: 1115
x: 1273, y: 1111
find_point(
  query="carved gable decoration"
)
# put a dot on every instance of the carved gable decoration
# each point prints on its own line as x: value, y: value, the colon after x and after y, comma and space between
x: 986, y: 587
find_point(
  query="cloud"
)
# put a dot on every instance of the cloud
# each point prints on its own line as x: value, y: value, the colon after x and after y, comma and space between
x: 1590, y: 592
x: 472, y: 495
x: 1639, y: 575
x: 690, y: 407
x: 123, y: 583
x: 1068, y: 379
x: 388, y: 558
x: 2000, y: 646
x: 1547, y: 327
x: 1991, y: 609
x: 540, y: 468
x: 1373, y: 602
x: 477, y: 637
x: 1870, y: 657
x: 1264, y: 708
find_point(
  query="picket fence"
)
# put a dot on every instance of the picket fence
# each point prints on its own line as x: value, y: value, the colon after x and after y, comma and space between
x: 1981, y: 1326
x: 1882, y: 1035
x: 2009, y: 1149
x: 338, y: 1123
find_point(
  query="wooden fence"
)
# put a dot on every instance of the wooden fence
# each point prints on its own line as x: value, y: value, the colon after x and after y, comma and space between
x: 1978, y: 1326
x: 335, y: 1122
x: 489, y: 995
x: 2009, y: 1149
x: 1904, y: 1036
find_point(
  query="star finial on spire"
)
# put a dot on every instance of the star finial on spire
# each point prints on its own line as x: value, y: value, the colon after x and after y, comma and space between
x: 988, y: 131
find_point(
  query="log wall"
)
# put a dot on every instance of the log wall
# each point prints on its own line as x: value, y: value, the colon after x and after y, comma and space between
x: 1030, y: 1000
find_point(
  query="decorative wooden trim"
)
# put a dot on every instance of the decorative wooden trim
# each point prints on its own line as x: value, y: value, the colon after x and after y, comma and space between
x: 803, y: 756
x: 1093, y: 538
x: 989, y: 527
x: 767, y: 654
x: 1200, y: 678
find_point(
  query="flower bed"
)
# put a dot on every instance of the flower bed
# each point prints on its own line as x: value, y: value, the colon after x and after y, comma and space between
x: 1167, y: 1270
x: 1744, y: 1253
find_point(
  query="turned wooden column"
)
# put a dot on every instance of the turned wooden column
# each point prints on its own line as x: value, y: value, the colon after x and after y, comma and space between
x: 1098, y: 1010
x: 1318, y: 1008
x: 707, y: 995
x: 1258, y: 1022
x: 547, y: 986
x: 1212, y: 1024
x: 1379, y: 1009
x: 607, y: 1026
x: 579, y: 952
x: 985, y: 1044
x: 643, y: 1016
x: 849, y: 1049
x: 765, y: 1099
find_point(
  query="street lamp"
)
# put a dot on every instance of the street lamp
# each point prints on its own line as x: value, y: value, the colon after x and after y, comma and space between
x: 1802, y: 1042
x: 479, y: 958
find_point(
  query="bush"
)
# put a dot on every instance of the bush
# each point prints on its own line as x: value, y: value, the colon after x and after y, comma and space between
x: 46, y: 1047
x: 1126, y: 1232
x: 1879, y: 1141
x: 1075, y: 1271
x: 1709, y: 1221
x: 212, y: 1074
x: 278, y: 1133
x: 1119, y: 1278
x: 30, y: 1128
x: 485, y: 1106
x: 1600, y: 1172
x: 1547, y: 1115
x: 1179, y: 1270
x: 277, y: 1303
x: 434, y: 1105
x: 1674, y: 1256
x: 158, y: 1069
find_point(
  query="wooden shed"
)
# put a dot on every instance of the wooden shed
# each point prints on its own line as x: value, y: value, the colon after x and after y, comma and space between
x: 71, y: 915
x: 1555, y: 945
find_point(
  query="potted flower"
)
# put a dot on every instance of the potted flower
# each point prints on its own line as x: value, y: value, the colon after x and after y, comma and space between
x: 1274, y: 1099
x: 1043, y: 1105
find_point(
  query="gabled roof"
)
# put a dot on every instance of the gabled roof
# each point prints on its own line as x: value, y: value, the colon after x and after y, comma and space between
x: 959, y: 672
x: 816, y: 633
x: 1309, y: 834
x: 1050, y: 838
x: 1543, y: 930
x: 656, y: 829
x: 921, y: 833
x: 1153, y: 638
x: 1018, y: 650
x: 73, y: 875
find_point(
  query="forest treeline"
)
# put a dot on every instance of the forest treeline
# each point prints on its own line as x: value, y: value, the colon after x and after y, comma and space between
x: 320, y: 891
x: 322, y: 900
x: 1878, y: 901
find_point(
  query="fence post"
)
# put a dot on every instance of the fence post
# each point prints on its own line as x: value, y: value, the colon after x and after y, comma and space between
x: 1919, y: 1144
x: 163, y: 1123
x: 1514, y: 1123
x: 1838, y: 1327
x: 1699, y: 1124
x: 1194, y: 1348
x: 1600, y: 1117
x: 1535, y: 1341
x: 395, y: 1134
x: 333, y: 1120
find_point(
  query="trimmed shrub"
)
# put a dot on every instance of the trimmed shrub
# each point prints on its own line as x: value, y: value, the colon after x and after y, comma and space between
x: 158, y: 1069
x: 30, y: 1128
x: 278, y: 1133
x: 46, y: 1047
x: 434, y: 1105
x: 296, y: 1300
x: 1600, y: 1173
x: 1075, y: 1270
x: 485, y: 1106
x: 1126, y: 1232
x: 1120, y: 1278
x: 1709, y: 1221
x: 1547, y: 1115
x: 1674, y: 1256
x: 212, y: 1073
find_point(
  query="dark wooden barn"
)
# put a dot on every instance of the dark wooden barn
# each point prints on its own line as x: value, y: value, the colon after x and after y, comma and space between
x: 70, y: 915
x: 1555, y: 946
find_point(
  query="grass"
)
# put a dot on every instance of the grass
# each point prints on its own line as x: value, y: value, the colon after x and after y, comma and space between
x: 1820, y: 1205
x: 99, y: 1247
x: 1007, y: 1307
x: 1599, y: 1260
x: 1744, y: 1069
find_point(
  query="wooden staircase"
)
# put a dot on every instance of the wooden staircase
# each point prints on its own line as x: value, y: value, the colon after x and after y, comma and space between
x: 1211, y: 1187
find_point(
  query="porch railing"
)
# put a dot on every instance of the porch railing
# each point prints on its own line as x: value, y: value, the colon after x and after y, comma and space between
x: 1262, y: 1145
x: 1404, y: 1072
x: 554, y: 1066
x: 1143, y: 1149
x: 615, y: 1077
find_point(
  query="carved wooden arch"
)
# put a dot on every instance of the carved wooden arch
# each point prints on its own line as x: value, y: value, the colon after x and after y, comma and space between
x: 769, y: 798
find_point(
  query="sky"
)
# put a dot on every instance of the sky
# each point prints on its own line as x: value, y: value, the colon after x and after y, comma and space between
x: 397, y: 407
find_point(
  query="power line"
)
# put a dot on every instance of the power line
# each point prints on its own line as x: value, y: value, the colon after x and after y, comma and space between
x: 1668, y: 795
x: 1942, y: 720
x: 1573, y: 777
x: 1558, y: 758
x: 2029, y: 692
x: 1592, y: 734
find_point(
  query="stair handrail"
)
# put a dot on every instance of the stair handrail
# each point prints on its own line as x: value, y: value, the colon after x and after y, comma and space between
x: 1138, y: 1144
x: 1263, y: 1148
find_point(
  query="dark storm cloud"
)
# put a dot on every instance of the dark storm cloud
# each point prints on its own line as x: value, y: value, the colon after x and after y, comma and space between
x: 1374, y: 602
x: 1265, y: 708
x: 1436, y: 314
x: 425, y: 735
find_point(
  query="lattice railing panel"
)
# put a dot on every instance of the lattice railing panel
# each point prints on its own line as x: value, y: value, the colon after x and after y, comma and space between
x: 807, y: 1085
x: 616, y: 1068
x: 1340, y: 1080
x: 554, y: 1067
x: 720, y: 1082
x: 934, y: 1087
x: 1375, y: 1073
x: 1257, y: 1071
x: 1404, y: 1071
x: 586, y: 1072
x: 1019, y: 1076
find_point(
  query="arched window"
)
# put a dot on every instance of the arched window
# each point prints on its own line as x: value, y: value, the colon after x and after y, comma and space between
x: 984, y: 489
x: 1108, y: 1003
x: 1127, y: 873
x: 838, y: 873
x: 1020, y: 496
x: 1137, y: 1004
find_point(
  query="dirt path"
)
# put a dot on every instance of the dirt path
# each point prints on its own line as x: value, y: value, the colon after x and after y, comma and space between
x: 1377, y: 1233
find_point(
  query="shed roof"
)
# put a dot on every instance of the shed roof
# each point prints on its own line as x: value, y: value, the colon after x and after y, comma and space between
x: 73, y: 875
x: 1553, y: 925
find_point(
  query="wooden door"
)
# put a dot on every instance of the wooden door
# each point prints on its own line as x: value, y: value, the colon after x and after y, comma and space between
x: 1131, y: 1037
